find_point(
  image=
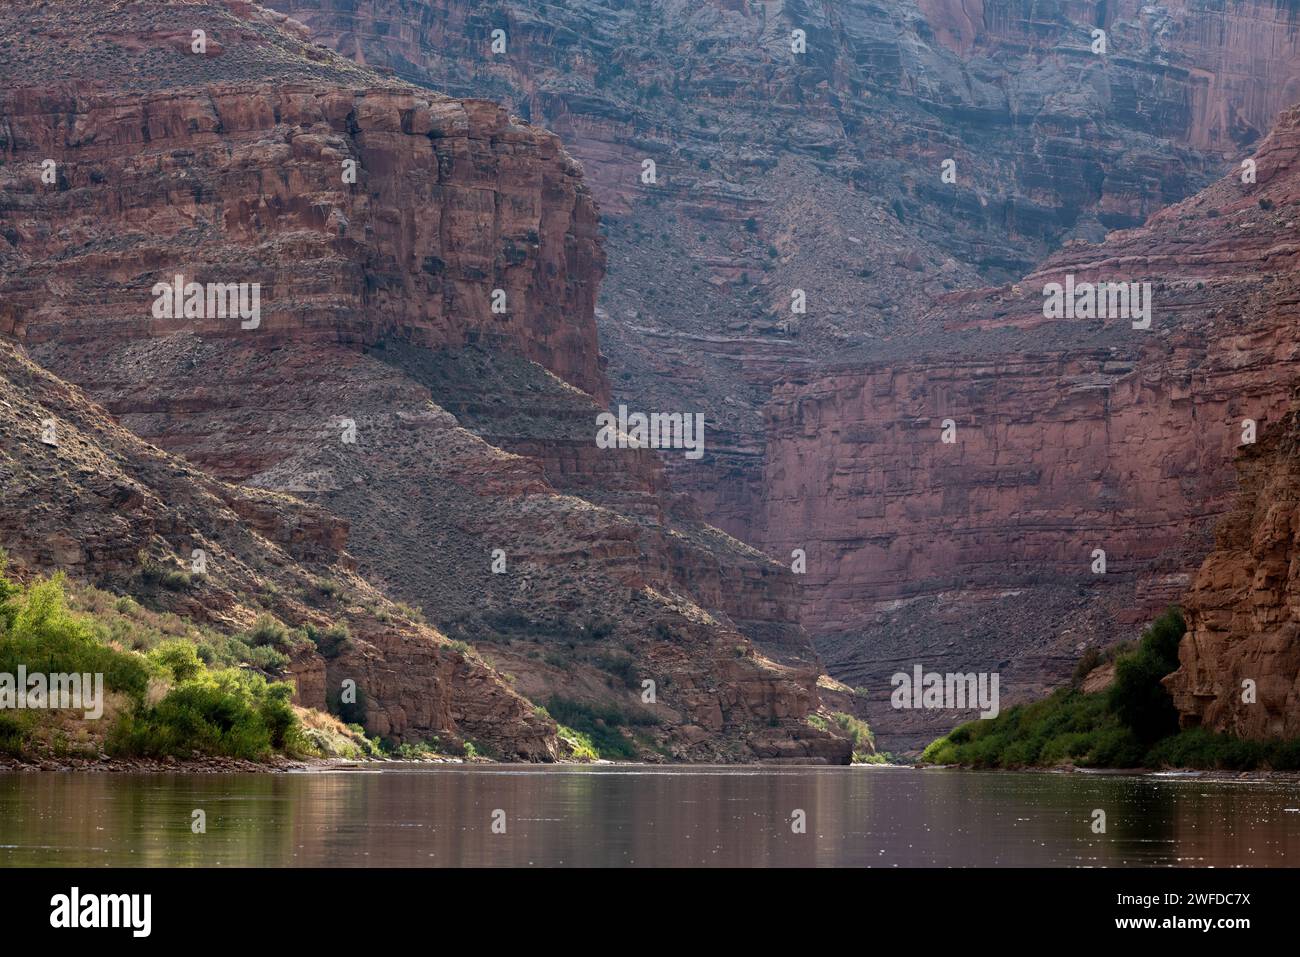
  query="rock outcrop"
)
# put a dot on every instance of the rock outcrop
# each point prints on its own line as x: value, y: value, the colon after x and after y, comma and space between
x: 1239, y: 664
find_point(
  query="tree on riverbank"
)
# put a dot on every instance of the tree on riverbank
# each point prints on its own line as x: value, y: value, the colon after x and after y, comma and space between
x: 1131, y: 724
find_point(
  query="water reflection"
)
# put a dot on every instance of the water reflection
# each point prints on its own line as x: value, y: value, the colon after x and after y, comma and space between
x: 419, y: 816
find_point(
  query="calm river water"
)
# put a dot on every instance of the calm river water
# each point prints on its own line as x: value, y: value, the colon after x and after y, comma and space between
x: 423, y: 815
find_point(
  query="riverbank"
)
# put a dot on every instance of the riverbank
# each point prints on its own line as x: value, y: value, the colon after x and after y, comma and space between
x: 1202, y: 774
x: 1131, y: 722
x: 107, y: 764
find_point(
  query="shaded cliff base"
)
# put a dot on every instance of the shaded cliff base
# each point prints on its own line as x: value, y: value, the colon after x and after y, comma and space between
x: 180, y: 696
x: 1115, y: 714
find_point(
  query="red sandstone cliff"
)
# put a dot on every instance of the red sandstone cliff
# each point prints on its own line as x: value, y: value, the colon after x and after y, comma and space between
x: 376, y: 317
x: 1071, y: 435
x: 1240, y: 661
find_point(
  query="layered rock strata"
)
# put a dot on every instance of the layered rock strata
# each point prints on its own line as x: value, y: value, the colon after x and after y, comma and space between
x: 240, y: 172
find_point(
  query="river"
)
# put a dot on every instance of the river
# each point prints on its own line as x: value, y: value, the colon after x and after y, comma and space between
x: 444, y: 815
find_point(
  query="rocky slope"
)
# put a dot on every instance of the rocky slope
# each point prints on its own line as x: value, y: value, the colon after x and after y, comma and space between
x: 1240, y: 661
x: 377, y: 335
x: 80, y: 493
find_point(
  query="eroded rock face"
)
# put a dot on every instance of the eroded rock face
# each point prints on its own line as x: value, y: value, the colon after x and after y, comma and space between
x: 1070, y: 435
x: 452, y: 202
x: 375, y: 323
x: 1239, y: 664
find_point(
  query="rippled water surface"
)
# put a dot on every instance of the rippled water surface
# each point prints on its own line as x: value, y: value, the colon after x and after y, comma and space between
x: 426, y: 815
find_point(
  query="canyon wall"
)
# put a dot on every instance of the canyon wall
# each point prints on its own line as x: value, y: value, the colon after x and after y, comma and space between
x: 820, y: 171
x: 1239, y: 665
x: 776, y: 173
x: 1069, y: 435
x: 376, y: 321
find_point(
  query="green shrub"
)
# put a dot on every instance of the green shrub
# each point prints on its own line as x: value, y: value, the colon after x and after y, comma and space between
x: 265, y: 658
x: 1198, y: 748
x: 331, y: 641
x: 419, y: 751
x: 1114, y: 729
x: 864, y: 742
x: 180, y: 658
x: 1066, y: 727
x: 598, y: 725
x: 174, y: 579
x: 410, y: 611
x: 15, y: 727
x: 621, y: 667
x: 267, y: 630
x: 43, y: 635
x: 599, y: 628
x: 1137, y: 698
x: 579, y: 744
x: 228, y: 712
x: 1086, y: 664
x: 330, y: 588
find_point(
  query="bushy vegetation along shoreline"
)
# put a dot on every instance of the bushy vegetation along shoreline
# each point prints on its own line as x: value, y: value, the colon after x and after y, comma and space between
x: 1132, y: 724
x: 164, y: 702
